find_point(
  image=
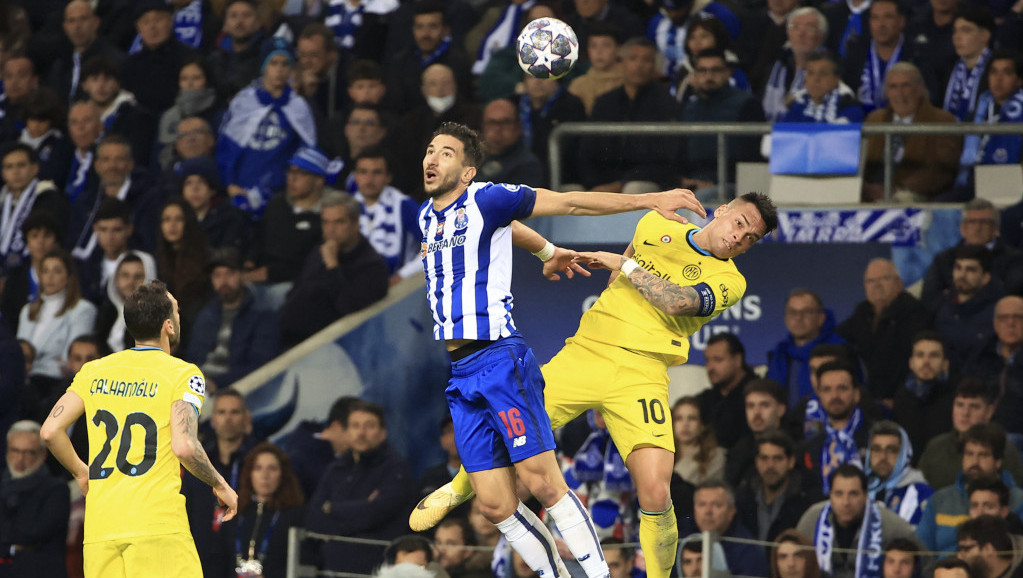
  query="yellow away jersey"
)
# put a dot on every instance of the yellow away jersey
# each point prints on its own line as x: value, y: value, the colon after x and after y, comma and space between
x: 622, y: 317
x: 134, y: 477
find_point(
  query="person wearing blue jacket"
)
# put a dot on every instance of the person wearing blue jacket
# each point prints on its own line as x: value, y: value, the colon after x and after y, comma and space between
x: 825, y: 98
x: 714, y: 511
x: 809, y: 324
x: 983, y: 451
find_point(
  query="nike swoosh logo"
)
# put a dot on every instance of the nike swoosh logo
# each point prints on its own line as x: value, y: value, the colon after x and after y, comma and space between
x: 659, y: 435
x: 649, y: 243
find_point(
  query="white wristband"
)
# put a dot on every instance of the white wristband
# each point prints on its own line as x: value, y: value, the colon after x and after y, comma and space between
x: 546, y: 253
x: 629, y: 266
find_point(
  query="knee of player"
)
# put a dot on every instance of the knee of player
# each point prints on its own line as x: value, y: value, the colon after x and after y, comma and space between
x: 653, y: 495
x: 496, y: 509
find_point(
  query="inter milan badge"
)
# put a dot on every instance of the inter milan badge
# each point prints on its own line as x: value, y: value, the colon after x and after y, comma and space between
x: 440, y: 228
x: 461, y: 219
x: 197, y: 384
x: 666, y: 239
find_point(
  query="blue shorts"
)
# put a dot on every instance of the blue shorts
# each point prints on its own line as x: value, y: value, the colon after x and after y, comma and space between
x: 496, y: 400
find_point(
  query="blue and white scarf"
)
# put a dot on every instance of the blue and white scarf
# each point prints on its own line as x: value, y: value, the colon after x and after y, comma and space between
x: 780, y: 84
x: 869, y: 555
x: 840, y: 447
x: 826, y: 111
x: 871, y: 92
x: 598, y: 460
x: 79, y: 175
x: 814, y: 418
x: 187, y: 28
x: 526, y: 113
x: 428, y: 59
x: 14, y: 213
x: 502, y: 34
x: 994, y: 149
x: 853, y: 26
x: 964, y: 87
x: 345, y: 20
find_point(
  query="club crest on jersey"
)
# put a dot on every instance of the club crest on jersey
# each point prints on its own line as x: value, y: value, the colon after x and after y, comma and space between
x: 666, y: 239
x: 197, y: 384
x: 691, y: 272
x: 440, y: 228
x: 422, y: 250
x: 461, y: 219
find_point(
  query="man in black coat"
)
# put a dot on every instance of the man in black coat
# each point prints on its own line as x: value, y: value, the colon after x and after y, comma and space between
x: 342, y: 275
x: 367, y: 492
x: 881, y: 329
x: 923, y: 403
x: 81, y: 27
x: 151, y: 74
x: 34, y: 509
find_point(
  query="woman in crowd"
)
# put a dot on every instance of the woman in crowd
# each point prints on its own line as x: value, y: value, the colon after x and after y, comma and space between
x: 793, y: 557
x: 270, y: 503
x: 196, y: 97
x: 697, y: 454
x: 181, y: 257
x: 706, y: 32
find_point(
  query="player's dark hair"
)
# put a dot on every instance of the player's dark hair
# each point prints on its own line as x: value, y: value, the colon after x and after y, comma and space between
x: 930, y: 335
x: 766, y: 207
x: 340, y: 409
x: 766, y: 386
x: 112, y: 208
x: 289, y: 491
x: 975, y: 388
x: 839, y: 366
x: 990, y: 435
x: 368, y: 407
x: 409, y: 543
x: 898, y: 6
x: 953, y: 563
x: 628, y: 552
x: 848, y: 470
x: 468, y: 534
x: 41, y: 219
x: 146, y: 309
x: 469, y: 138
x: 778, y: 438
x: 373, y: 152
x: 978, y: 253
x: 16, y: 147
x: 364, y: 69
x: 987, y: 529
x: 991, y: 484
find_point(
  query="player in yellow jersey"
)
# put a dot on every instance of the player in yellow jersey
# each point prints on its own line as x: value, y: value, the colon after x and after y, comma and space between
x: 142, y: 406
x: 672, y: 279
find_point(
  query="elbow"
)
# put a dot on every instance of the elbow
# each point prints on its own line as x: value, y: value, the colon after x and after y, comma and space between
x: 182, y: 448
x: 50, y: 432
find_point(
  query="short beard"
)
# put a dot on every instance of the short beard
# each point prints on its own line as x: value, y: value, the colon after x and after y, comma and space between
x: 443, y: 188
x: 21, y: 475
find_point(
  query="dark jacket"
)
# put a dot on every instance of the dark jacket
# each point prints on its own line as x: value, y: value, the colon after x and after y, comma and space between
x: 145, y: 209
x: 728, y: 104
x: 233, y: 71
x: 284, y: 239
x: 414, y: 132
x: 942, y: 461
x: 106, y: 316
x: 310, y: 455
x: 12, y: 381
x: 1006, y: 266
x: 243, y: 529
x: 1004, y: 377
x: 151, y: 74
x: 727, y: 413
x: 808, y: 453
x: 1012, y: 226
x: 342, y: 505
x: 34, y: 514
x: 967, y: 326
x: 15, y: 295
x: 321, y: 296
x: 64, y: 67
x: 786, y: 357
x: 55, y: 156
x: 796, y: 499
x: 225, y: 225
x: 516, y: 165
x: 254, y: 338
x: 925, y: 414
x: 743, y: 559
x: 405, y: 71
x: 566, y: 107
x: 884, y: 344
x: 630, y: 158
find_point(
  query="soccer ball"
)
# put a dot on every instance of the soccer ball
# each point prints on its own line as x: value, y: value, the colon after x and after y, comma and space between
x: 547, y: 48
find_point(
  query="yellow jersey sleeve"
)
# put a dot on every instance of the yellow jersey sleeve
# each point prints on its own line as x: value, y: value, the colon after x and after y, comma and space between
x: 191, y: 387
x: 664, y: 248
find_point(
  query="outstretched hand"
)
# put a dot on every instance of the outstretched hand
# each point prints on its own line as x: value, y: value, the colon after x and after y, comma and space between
x: 563, y: 261
x: 667, y: 202
x: 601, y: 260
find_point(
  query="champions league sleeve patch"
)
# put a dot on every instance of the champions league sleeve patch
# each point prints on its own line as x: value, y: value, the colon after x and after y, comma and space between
x: 707, y: 300
x: 197, y: 384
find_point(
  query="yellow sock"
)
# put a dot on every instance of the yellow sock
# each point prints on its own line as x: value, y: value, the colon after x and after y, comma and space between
x: 461, y: 484
x: 658, y: 536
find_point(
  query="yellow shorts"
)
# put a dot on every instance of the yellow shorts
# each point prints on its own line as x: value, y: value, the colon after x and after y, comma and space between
x: 630, y: 389
x: 164, y: 556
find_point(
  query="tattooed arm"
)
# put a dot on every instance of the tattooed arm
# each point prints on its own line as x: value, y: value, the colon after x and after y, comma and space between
x: 664, y: 295
x: 54, y: 432
x: 185, y: 445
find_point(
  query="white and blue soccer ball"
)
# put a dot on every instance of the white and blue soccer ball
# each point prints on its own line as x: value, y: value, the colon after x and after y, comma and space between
x: 547, y: 48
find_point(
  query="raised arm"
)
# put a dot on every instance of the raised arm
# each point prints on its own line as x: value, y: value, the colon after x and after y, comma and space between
x: 664, y: 295
x: 581, y: 203
x: 555, y: 259
x: 65, y: 412
x: 185, y: 445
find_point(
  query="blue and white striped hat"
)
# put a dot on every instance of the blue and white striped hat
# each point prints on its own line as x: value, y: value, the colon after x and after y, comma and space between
x: 312, y: 160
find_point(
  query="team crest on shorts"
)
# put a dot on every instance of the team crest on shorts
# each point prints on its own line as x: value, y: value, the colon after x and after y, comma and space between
x: 691, y: 272
x: 197, y: 384
x: 461, y: 219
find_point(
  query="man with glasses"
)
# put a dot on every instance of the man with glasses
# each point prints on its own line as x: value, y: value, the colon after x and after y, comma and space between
x: 890, y: 478
x: 1000, y: 365
x: 34, y: 508
x: 809, y: 324
x: 979, y: 226
x: 508, y: 158
x: 991, y: 551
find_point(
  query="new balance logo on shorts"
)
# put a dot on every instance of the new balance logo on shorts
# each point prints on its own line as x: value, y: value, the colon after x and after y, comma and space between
x: 519, y: 441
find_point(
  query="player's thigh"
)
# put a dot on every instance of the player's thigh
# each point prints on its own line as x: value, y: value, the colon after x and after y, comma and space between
x: 577, y: 379
x: 636, y: 410
x: 164, y: 556
x: 104, y: 559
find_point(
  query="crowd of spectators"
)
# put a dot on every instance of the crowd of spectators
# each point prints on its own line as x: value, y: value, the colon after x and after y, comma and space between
x: 263, y: 158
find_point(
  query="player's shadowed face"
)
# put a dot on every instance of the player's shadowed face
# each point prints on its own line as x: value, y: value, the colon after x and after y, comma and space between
x: 736, y: 227
x: 443, y: 165
x: 175, y: 338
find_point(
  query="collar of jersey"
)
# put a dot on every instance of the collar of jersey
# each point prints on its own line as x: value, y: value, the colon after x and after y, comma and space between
x: 454, y: 204
x: 692, y: 243
x: 146, y: 348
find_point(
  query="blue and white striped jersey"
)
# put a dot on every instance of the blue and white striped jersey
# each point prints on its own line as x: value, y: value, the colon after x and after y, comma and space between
x: 467, y: 256
x: 391, y: 226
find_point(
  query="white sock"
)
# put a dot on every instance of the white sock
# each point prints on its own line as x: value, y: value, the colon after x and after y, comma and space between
x: 576, y: 527
x: 534, y: 542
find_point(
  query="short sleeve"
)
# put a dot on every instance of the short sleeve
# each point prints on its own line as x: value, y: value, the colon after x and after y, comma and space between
x: 191, y: 387
x: 505, y: 203
x: 80, y: 384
